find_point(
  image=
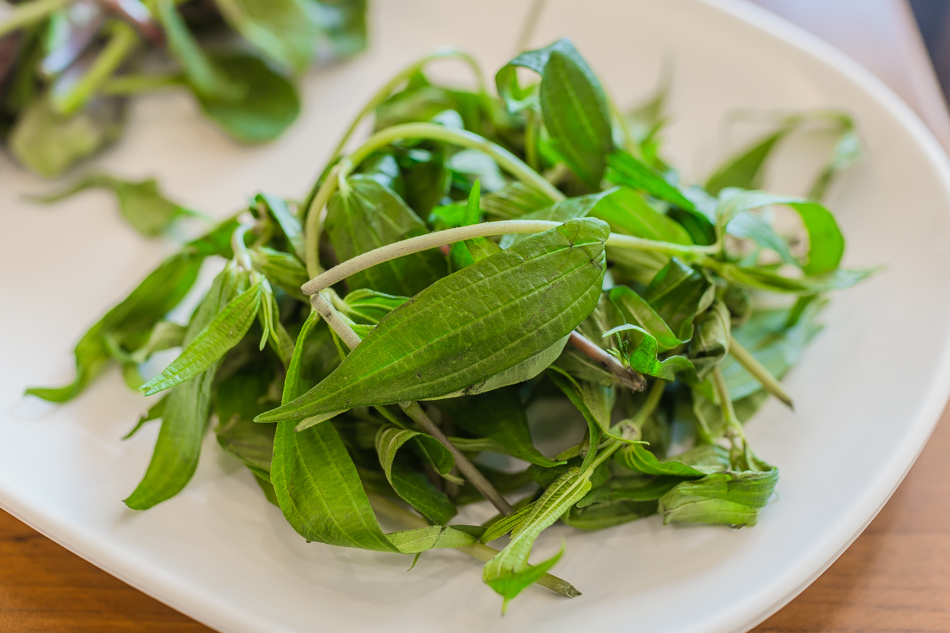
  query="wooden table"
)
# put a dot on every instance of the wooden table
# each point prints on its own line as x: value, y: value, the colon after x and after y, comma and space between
x: 894, y: 578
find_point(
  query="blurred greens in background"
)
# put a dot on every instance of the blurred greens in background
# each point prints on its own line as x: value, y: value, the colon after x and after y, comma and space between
x: 68, y: 67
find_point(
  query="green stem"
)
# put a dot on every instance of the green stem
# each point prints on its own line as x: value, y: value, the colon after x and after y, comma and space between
x: 640, y: 418
x: 530, y: 23
x: 431, y: 131
x: 478, y: 551
x: 123, y: 41
x: 725, y: 403
x: 463, y: 138
x: 137, y: 84
x: 25, y: 14
x: 630, y: 379
x: 406, y: 73
x: 460, y: 234
x: 530, y: 140
x: 751, y: 364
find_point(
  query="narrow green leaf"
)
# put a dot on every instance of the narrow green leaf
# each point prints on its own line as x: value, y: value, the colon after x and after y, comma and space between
x: 469, y: 326
x: 745, y: 169
x: 185, y: 416
x: 413, y: 486
x: 208, y: 346
x: 695, y: 463
x: 508, y: 572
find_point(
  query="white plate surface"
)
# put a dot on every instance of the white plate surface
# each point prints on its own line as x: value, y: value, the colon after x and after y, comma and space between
x: 868, y: 392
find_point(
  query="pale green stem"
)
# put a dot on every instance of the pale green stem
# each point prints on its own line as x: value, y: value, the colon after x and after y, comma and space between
x: 124, y: 39
x: 530, y: 23
x: 383, y: 93
x: 460, y: 234
x: 24, y: 14
x: 241, y: 255
x: 478, y: 551
x: 431, y: 131
x: 759, y: 372
x: 351, y: 339
x: 137, y: 84
x: 725, y: 403
x: 463, y: 138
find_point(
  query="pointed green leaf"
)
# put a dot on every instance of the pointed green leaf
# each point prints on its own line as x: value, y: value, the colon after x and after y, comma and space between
x: 637, y: 311
x: 208, y: 346
x: 469, y: 326
x: 413, y: 486
x: 730, y: 498
x: 695, y: 463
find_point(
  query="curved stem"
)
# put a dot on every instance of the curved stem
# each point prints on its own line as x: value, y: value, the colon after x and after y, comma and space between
x: 124, y: 39
x: 725, y: 403
x: 389, y: 87
x: 312, y: 223
x: 531, y: 21
x: 460, y: 234
x: 463, y: 138
x: 241, y: 255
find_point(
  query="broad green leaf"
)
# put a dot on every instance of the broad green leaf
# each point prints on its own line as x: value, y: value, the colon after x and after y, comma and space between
x: 206, y: 347
x: 141, y: 203
x: 411, y: 485
x: 499, y: 416
x: 573, y: 106
x: 49, y: 143
x: 283, y: 30
x: 187, y: 407
x: 269, y: 105
x: 627, y: 212
x: 730, y: 498
x: 343, y: 27
x: 508, y: 573
x: 678, y: 293
x: 130, y: 321
x: 561, y: 211
x: 369, y: 215
x: 469, y: 326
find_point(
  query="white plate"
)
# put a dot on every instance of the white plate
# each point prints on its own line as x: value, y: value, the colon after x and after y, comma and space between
x: 868, y: 392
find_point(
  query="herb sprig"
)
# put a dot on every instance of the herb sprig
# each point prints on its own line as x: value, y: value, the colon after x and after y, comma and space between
x: 365, y: 352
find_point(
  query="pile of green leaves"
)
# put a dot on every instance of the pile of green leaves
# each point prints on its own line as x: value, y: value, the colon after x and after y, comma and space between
x: 68, y: 67
x: 479, y: 262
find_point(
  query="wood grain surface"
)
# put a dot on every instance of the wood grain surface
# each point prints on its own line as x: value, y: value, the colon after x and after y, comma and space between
x: 894, y: 579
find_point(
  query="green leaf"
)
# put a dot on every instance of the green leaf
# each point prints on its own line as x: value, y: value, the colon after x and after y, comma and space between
x: 289, y: 224
x: 644, y: 357
x: 141, y: 203
x: 411, y: 485
x: 729, y: 498
x: 508, y: 573
x: 695, y: 463
x: 471, y: 325
x: 432, y: 537
x: 745, y: 169
x: 826, y: 244
x: 631, y: 172
x: 595, y: 402
x: 573, y: 106
x: 711, y: 336
x: 514, y: 201
x: 284, y: 269
x: 635, y: 310
x: 131, y: 320
x: 499, y: 416
x: 369, y: 215
x: 204, y: 78
x: 283, y: 30
x: 628, y: 212
x: 806, y: 285
x: 678, y: 293
x: 237, y: 399
x: 604, y: 515
x: 368, y: 306
x: 165, y: 335
x: 269, y: 105
x: 212, y: 342
x: 49, y: 143
x: 185, y: 417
